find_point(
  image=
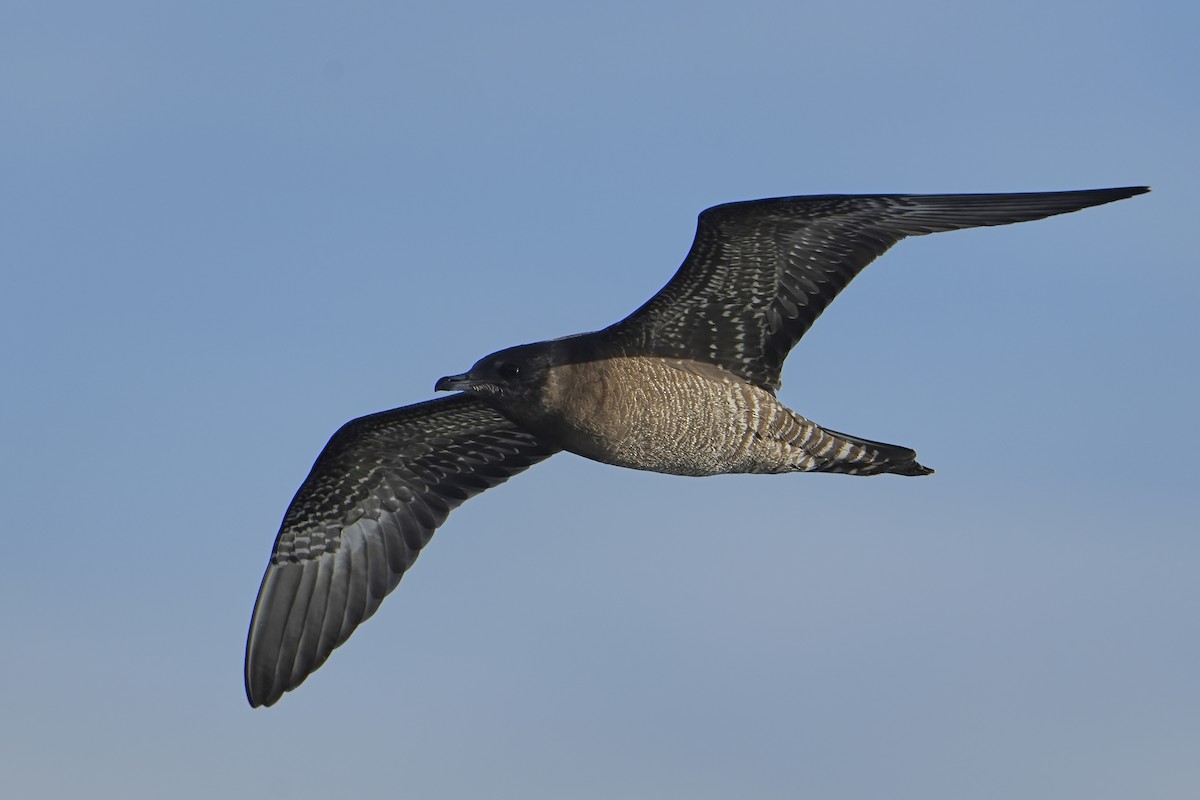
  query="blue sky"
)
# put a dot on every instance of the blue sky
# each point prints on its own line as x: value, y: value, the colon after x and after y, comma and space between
x: 225, y: 229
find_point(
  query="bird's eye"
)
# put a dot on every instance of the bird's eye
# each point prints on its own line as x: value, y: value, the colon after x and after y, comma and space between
x: 508, y: 370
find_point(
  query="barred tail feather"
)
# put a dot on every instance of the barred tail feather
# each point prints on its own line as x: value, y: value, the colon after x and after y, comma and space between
x: 852, y: 455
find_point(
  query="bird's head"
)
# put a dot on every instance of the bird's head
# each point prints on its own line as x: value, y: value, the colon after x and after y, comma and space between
x: 511, y: 375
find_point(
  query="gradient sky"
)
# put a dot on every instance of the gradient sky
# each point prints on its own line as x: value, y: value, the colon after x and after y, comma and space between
x: 227, y: 228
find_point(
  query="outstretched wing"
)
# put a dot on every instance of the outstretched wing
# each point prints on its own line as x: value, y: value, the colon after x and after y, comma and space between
x: 371, y: 502
x: 760, y: 272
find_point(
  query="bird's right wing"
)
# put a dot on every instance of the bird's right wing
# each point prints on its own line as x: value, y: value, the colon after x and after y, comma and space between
x: 760, y: 272
x: 376, y: 493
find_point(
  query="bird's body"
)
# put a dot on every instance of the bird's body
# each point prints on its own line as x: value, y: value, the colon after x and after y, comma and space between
x: 676, y: 416
x: 684, y: 385
x: 685, y: 417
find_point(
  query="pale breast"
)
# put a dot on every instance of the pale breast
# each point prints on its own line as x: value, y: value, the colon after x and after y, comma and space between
x: 668, y: 415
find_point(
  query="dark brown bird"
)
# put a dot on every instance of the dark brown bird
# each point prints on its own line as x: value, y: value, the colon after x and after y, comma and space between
x: 684, y: 385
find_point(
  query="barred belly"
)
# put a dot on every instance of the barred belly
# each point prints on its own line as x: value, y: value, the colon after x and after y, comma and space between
x: 674, y: 416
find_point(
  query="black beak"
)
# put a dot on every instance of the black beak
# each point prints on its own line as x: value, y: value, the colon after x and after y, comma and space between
x: 452, y: 383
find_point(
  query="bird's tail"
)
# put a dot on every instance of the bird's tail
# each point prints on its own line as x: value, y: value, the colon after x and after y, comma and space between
x: 839, y: 452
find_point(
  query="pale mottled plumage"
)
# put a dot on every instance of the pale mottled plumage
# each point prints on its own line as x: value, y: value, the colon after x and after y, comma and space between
x: 685, y: 385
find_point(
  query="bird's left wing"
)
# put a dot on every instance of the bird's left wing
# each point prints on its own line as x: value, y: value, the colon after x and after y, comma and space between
x: 760, y: 272
x: 376, y: 493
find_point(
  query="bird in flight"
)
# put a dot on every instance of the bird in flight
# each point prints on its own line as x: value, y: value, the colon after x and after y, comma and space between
x: 683, y: 385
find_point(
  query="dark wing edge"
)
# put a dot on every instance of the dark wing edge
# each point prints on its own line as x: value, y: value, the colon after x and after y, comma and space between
x: 760, y: 272
x: 372, y: 500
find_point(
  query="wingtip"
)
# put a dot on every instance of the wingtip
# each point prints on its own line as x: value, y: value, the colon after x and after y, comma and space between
x: 255, y: 702
x: 263, y: 696
x: 1098, y: 197
x: 258, y: 698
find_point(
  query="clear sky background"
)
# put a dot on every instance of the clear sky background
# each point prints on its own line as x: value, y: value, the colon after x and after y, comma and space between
x: 227, y: 228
